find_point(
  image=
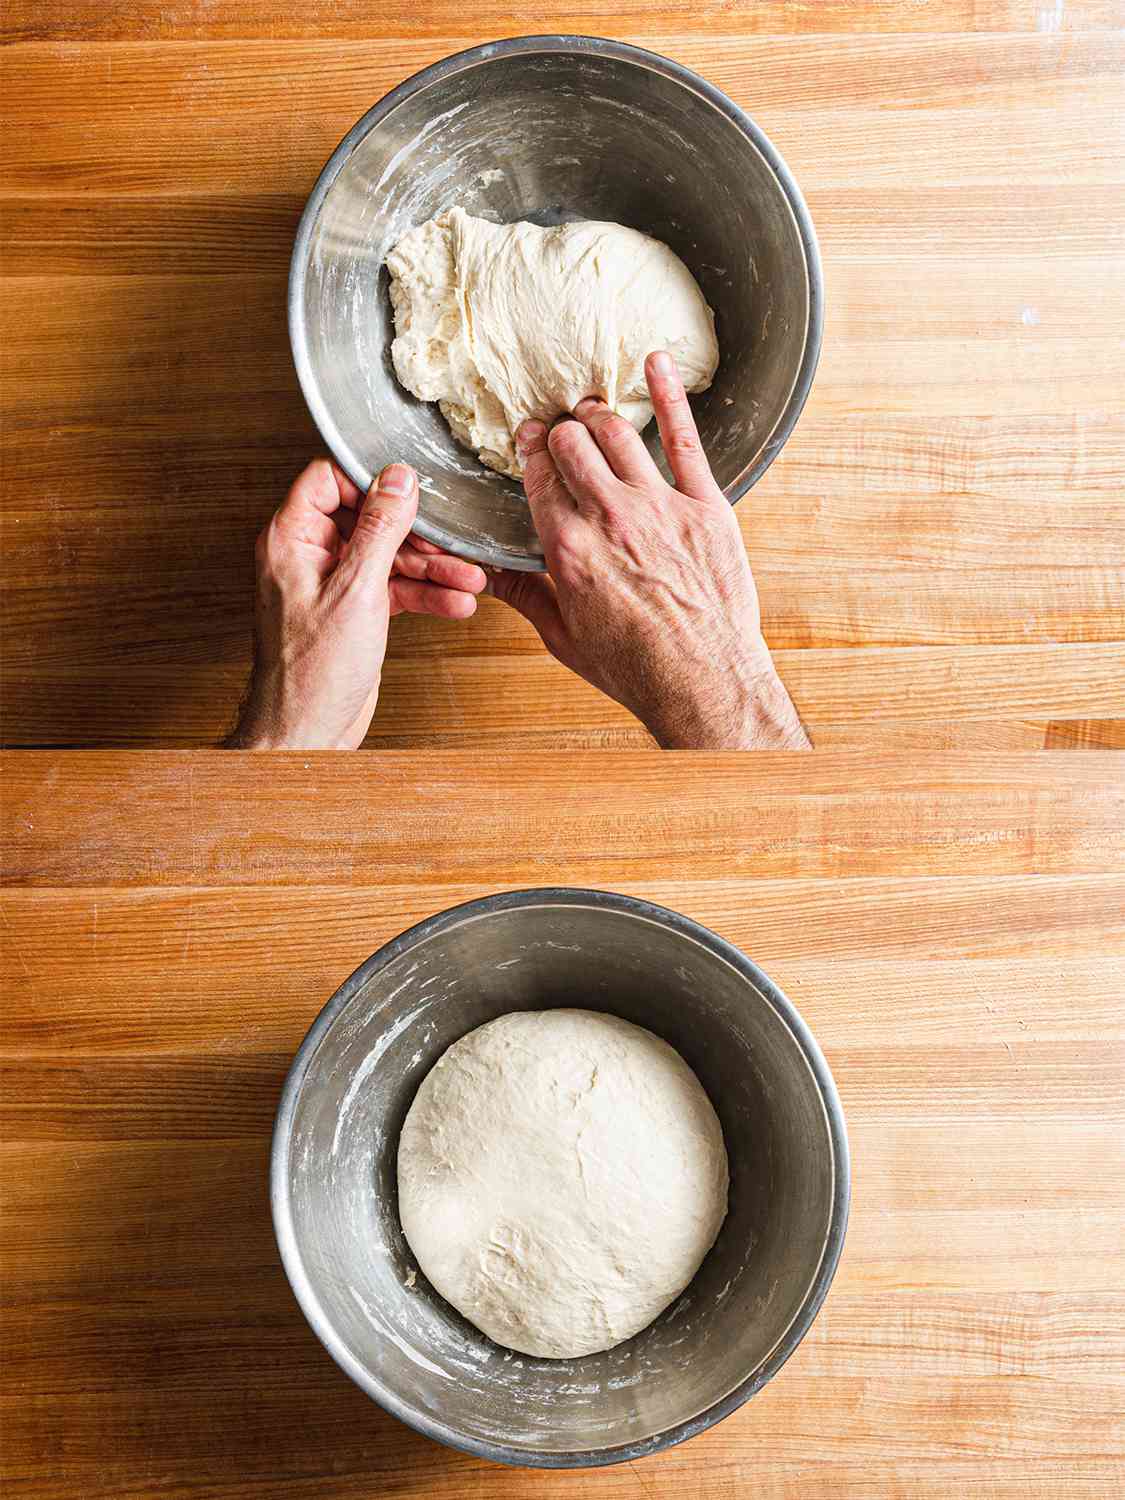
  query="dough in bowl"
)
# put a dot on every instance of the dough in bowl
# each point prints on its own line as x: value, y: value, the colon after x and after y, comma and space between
x: 502, y: 322
x: 561, y: 1175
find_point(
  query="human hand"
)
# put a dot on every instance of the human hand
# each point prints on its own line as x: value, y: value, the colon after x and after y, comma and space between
x: 649, y: 595
x: 333, y: 567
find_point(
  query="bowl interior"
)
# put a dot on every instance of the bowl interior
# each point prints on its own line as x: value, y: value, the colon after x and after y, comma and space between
x: 547, y: 135
x: 353, y: 1269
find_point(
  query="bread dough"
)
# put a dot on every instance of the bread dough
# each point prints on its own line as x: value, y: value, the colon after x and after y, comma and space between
x: 561, y: 1175
x: 502, y: 322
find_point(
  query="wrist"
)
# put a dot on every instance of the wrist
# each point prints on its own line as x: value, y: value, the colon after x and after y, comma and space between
x: 251, y: 736
x: 257, y: 731
x: 752, y: 710
x: 270, y: 720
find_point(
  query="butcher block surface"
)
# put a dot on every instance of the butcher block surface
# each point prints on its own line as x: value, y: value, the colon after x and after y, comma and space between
x: 940, y: 547
x: 952, y: 927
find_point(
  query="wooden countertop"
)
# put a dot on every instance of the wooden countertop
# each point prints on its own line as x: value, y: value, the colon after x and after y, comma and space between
x: 941, y: 547
x: 952, y: 927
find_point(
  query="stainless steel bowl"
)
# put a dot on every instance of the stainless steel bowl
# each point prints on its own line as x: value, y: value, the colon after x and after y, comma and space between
x: 552, y: 128
x: 334, y: 1195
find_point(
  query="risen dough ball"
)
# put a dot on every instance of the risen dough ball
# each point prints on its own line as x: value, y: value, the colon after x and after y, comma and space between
x: 502, y: 322
x: 561, y: 1175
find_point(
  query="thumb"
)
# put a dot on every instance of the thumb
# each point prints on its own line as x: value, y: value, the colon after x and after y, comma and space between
x: 533, y: 596
x: 383, y: 524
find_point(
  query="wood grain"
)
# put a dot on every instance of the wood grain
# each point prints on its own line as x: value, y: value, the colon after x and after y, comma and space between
x: 928, y: 697
x: 951, y: 926
x: 284, y: 819
x: 934, y: 950
x: 963, y: 228
x: 941, y: 546
x: 262, y: 77
x: 111, y: 20
x: 242, y: 108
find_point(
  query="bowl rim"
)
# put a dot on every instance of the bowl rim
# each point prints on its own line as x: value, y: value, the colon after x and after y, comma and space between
x: 487, y: 552
x: 281, y: 1205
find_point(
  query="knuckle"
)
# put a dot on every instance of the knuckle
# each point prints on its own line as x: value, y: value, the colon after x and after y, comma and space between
x: 269, y: 549
x: 614, y: 513
x: 310, y: 481
x: 618, y: 429
x: 519, y: 593
x: 316, y: 475
x: 531, y: 447
x: 379, y: 520
x: 572, y: 551
x: 684, y: 444
x: 565, y: 438
x: 539, y: 484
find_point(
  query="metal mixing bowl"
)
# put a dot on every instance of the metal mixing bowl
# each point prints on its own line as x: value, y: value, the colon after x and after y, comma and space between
x: 550, y: 129
x: 333, y: 1176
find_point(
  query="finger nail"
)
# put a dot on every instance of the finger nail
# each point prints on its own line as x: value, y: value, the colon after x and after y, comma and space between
x: 527, y: 432
x: 396, y: 479
x: 662, y: 362
x: 588, y: 403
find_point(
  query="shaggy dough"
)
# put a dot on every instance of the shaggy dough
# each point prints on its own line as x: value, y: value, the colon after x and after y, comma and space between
x: 502, y: 322
x: 561, y: 1175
